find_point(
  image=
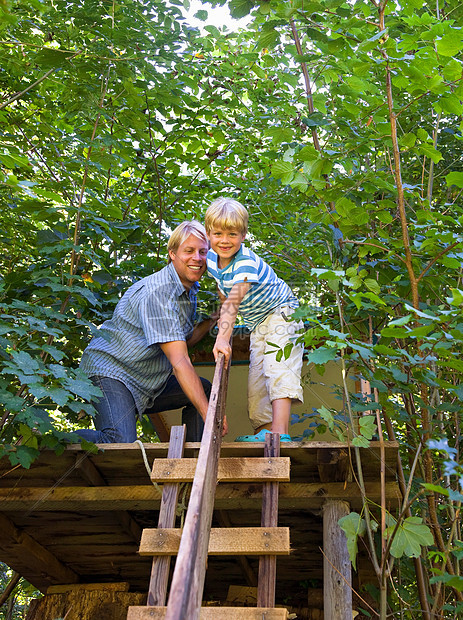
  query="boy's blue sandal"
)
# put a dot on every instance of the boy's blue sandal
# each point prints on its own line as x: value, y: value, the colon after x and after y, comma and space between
x: 260, y: 436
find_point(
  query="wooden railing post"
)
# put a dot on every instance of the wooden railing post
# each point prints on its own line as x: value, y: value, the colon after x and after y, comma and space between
x: 188, y: 580
x: 337, y: 573
x: 157, y: 591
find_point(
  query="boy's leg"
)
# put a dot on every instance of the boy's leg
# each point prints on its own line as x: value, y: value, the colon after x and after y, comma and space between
x: 283, y: 378
x: 281, y: 408
x: 116, y: 418
x: 173, y: 397
x: 259, y: 405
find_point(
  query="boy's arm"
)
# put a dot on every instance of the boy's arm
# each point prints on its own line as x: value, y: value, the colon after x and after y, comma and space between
x: 227, y: 318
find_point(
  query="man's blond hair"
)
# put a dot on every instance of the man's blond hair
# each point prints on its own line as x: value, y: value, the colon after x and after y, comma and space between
x: 183, y: 231
x: 227, y: 214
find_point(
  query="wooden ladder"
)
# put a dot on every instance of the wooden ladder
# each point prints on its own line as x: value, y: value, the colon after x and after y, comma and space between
x: 197, y: 539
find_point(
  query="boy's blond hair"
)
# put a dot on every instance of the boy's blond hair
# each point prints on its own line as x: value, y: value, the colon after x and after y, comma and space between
x: 183, y: 231
x: 227, y: 214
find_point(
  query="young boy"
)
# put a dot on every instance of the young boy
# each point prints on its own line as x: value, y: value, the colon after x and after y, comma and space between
x: 248, y: 284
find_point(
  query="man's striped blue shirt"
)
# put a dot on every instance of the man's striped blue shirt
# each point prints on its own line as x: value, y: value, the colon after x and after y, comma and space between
x: 154, y: 310
x: 267, y: 293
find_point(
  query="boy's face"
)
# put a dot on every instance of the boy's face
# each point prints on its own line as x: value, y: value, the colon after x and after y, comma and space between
x: 225, y: 243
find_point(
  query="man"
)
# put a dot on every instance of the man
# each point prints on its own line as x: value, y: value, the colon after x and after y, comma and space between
x: 141, y: 361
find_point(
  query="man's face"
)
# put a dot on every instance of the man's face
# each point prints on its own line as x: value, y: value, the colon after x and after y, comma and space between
x: 189, y: 260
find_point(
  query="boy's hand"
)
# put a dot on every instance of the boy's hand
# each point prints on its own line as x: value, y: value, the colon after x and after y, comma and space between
x: 224, y: 426
x: 222, y: 345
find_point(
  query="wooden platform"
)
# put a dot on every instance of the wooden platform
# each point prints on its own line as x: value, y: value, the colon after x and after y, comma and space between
x: 78, y: 517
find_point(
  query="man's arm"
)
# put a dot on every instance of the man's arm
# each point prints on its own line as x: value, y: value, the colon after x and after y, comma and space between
x: 177, y: 354
x: 202, y: 329
x: 227, y: 318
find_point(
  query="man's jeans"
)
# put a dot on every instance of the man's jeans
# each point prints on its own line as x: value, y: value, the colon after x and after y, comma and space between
x: 116, y: 417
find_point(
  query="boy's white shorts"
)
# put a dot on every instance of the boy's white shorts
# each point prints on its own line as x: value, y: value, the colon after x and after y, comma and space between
x: 269, y: 379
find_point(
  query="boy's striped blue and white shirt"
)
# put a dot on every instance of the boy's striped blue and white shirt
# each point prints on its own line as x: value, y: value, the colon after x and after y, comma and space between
x: 267, y: 293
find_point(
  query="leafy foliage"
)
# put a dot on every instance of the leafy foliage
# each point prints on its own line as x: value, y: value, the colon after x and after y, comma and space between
x: 338, y: 124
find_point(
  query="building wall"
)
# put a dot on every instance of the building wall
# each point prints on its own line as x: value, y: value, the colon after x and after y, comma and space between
x: 318, y: 391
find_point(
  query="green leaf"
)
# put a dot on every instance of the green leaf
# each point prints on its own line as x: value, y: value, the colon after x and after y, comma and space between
x: 82, y: 387
x: 353, y: 526
x: 201, y: 15
x: 279, y: 134
x: 316, y: 119
x: 240, y: 8
x: 268, y: 39
x: 322, y: 355
x: 449, y: 45
x: 367, y: 426
x: 452, y: 581
x: 434, y: 488
x: 372, y: 285
x: 360, y: 442
x: 299, y: 182
x: 24, y: 455
x: 431, y: 152
x: 454, y: 178
x: 408, y: 140
x: 411, y: 535
x: 282, y: 169
x: 48, y: 58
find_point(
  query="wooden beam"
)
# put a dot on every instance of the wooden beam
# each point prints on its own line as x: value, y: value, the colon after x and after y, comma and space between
x: 159, y: 426
x: 213, y: 613
x: 5, y: 595
x: 157, y: 591
x: 334, y: 465
x: 118, y: 586
x: 93, y: 476
x: 89, y: 471
x: 228, y: 496
x: 15, y: 544
x: 337, y: 573
x: 222, y: 541
x: 251, y: 469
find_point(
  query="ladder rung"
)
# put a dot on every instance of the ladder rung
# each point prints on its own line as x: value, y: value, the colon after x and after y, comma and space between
x: 213, y: 613
x: 222, y: 541
x: 233, y: 469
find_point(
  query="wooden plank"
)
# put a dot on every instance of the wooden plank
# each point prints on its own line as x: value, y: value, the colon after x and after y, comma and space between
x: 266, y: 585
x: 188, y: 579
x: 250, y: 469
x: 222, y: 541
x: 16, y: 543
x: 337, y: 571
x: 229, y: 496
x: 122, y: 464
x: 249, y: 574
x: 213, y: 613
x: 157, y: 590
